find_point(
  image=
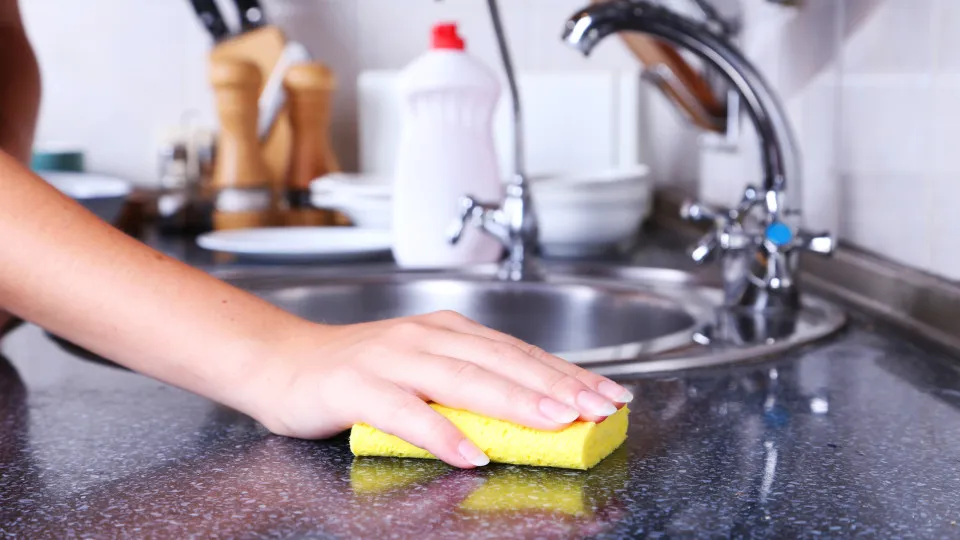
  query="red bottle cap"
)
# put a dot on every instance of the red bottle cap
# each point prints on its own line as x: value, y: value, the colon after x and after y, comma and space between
x: 445, y: 37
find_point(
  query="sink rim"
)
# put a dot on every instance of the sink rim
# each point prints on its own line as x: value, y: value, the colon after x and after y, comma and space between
x: 686, y: 300
x: 817, y: 320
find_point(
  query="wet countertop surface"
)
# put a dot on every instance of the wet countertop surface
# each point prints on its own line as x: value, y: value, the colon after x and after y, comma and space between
x: 859, y: 435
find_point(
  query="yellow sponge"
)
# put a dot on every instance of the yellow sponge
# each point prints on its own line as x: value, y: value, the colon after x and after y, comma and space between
x: 581, y: 445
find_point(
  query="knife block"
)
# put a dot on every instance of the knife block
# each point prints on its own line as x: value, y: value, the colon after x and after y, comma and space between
x: 240, y: 176
x: 309, y: 88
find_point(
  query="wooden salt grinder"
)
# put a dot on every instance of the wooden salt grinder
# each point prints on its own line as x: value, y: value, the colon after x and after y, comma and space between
x: 240, y: 177
x: 309, y: 88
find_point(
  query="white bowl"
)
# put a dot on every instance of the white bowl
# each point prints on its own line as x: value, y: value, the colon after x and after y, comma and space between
x: 102, y: 195
x: 367, y: 214
x: 366, y: 199
x: 579, y: 214
x: 353, y: 184
x: 593, y: 186
x: 589, y: 213
x: 578, y: 230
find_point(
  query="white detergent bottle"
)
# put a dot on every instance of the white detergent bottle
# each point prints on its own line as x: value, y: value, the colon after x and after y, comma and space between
x: 446, y: 151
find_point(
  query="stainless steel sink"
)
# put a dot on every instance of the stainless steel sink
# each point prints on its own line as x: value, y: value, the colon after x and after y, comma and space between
x: 579, y: 319
x: 615, y: 320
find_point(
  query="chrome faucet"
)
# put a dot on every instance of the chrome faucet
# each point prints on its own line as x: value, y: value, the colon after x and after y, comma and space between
x: 759, y: 241
x: 513, y: 222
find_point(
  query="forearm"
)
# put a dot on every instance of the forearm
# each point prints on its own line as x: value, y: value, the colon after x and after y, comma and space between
x: 64, y: 269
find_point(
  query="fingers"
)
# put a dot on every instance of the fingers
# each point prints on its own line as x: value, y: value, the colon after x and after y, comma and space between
x: 397, y: 412
x: 602, y: 385
x: 513, y: 364
x: 465, y: 385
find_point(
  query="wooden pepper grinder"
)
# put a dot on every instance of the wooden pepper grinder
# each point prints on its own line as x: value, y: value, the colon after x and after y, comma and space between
x: 240, y: 177
x: 309, y: 89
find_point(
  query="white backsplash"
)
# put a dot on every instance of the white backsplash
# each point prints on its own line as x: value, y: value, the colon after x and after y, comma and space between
x: 600, y: 133
x: 872, y: 86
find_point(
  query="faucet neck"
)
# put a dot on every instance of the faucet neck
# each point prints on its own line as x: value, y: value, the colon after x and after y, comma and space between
x: 779, y: 151
x: 759, y: 246
x: 513, y: 222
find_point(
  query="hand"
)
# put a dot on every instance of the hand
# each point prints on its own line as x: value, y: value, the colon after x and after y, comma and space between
x: 384, y: 373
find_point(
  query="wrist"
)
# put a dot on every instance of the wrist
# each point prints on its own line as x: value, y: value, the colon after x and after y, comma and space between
x: 272, y: 368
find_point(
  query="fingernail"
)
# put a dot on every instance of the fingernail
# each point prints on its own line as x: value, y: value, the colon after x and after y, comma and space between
x: 558, y: 412
x: 595, y: 404
x: 615, y: 392
x: 472, y: 454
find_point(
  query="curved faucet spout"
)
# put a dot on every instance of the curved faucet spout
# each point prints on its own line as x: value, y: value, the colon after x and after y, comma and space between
x: 759, y: 261
x: 778, y: 146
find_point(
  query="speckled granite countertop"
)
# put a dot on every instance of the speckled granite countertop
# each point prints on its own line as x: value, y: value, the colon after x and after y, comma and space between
x: 858, y: 436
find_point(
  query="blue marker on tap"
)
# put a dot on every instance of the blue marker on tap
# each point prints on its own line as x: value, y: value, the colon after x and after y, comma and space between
x: 779, y: 233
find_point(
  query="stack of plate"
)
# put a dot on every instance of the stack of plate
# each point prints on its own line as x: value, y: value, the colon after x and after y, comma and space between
x: 580, y: 214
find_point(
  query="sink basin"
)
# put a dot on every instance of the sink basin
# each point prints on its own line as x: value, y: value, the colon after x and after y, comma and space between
x: 580, y: 319
x: 615, y: 320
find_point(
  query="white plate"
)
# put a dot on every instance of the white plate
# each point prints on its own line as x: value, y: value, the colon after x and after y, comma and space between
x: 300, y: 244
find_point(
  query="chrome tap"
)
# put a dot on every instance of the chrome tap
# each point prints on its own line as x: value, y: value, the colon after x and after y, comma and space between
x: 513, y: 222
x: 759, y: 241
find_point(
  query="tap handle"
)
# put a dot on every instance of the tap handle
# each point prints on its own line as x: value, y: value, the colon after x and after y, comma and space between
x: 751, y: 196
x: 823, y: 243
x: 468, y: 210
x: 692, y: 211
x: 705, y: 247
x: 735, y: 238
x: 726, y: 239
x: 780, y: 237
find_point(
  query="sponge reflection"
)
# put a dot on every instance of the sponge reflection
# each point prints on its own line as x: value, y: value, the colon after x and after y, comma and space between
x: 499, y: 492
x: 524, y: 489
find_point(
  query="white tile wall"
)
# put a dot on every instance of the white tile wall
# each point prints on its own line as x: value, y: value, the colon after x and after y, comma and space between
x: 887, y: 158
x: 873, y: 87
x: 890, y: 36
x: 111, y: 84
x: 145, y: 64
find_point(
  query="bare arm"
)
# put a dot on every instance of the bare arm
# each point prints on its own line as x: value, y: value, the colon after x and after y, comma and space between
x: 64, y: 269
x: 81, y: 278
x: 19, y: 93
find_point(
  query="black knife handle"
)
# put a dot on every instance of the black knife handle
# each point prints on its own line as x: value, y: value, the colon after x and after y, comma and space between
x: 251, y: 14
x: 212, y: 19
